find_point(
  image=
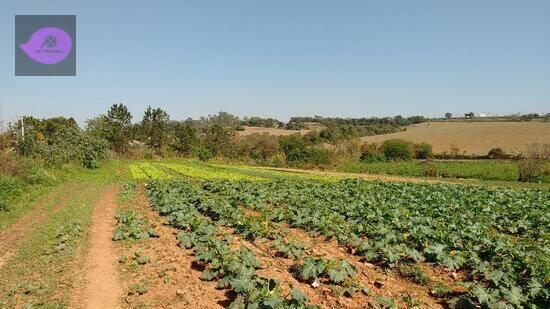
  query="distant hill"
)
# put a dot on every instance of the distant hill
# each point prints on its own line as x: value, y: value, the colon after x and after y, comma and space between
x: 476, y: 138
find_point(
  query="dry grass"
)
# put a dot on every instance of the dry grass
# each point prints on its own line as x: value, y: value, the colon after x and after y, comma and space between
x: 271, y: 131
x: 473, y: 137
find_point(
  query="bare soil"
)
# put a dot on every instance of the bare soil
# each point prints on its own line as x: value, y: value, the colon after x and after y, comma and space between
x: 102, y: 286
x: 172, y: 278
x: 379, y: 281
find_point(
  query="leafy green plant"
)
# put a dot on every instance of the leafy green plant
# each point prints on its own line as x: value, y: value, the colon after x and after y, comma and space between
x: 65, y: 234
x: 128, y: 191
x: 139, y: 288
x: 496, y: 236
x: 440, y: 290
x: 411, y: 302
x: 336, y: 271
x: 290, y: 250
x: 414, y: 274
x: 186, y: 208
x: 385, y: 302
x: 131, y: 227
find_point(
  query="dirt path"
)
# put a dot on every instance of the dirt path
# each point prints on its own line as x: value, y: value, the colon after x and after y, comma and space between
x: 12, y: 236
x: 102, y: 286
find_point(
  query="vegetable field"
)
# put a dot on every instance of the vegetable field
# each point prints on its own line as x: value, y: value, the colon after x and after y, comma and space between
x: 451, y: 245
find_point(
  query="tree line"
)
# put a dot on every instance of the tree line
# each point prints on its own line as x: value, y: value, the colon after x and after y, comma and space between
x: 116, y: 134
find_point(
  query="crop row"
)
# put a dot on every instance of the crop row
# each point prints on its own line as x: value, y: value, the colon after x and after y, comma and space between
x: 233, y: 269
x: 205, y: 172
x: 499, y: 237
x: 228, y: 213
x: 137, y: 173
x: 154, y: 172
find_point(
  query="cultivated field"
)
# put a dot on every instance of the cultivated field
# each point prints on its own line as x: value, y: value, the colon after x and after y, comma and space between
x: 189, y: 234
x: 293, y: 240
x: 473, y: 137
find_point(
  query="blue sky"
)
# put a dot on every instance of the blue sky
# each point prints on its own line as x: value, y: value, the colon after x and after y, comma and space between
x: 284, y: 58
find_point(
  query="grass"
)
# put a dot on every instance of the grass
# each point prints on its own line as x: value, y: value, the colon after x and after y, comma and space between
x: 482, y: 170
x: 20, y: 194
x: 39, y: 268
x: 42, y: 272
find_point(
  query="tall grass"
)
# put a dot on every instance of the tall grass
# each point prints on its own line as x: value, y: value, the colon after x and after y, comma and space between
x: 483, y: 170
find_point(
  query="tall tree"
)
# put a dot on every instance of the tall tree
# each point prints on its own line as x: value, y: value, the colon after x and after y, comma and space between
x: 115, y: 127
x: 185, y: 138
x: 219, y: 140
x: 155, y: 128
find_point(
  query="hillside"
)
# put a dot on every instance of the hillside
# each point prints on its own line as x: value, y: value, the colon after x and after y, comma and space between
x: 473, y: 137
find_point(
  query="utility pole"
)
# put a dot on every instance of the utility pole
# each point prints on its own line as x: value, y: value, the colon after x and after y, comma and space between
x: 23, y: 128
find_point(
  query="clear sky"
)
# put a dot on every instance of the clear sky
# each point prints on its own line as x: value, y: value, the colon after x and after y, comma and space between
x: 281, y: 58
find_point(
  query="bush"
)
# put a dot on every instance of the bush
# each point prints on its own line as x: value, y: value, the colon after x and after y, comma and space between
x: 258, y: 147
x: 497, y: 153
x: 5, y: 141
x: 298, y: 151
x: 92, y: 151
x: 371, y: 154
x: 202, y: 153
x: 530, y: 168
x: 429, y: 169
x: 397, y: 149
x: 423, y: 151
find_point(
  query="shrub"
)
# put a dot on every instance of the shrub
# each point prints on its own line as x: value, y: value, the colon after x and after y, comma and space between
x: 298, y: 151
x: 372, y: 153
x: 429, y: 169
x: 92, y: 151
x: 423, y: 151
x: 497, y: 153
x: 530, y: 168
x: 259, y: 147
x: 397, y: 149
x: 202, y: 153
x: 5, y: 141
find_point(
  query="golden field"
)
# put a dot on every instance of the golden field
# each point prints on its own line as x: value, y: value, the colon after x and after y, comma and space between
x: 473, y: 137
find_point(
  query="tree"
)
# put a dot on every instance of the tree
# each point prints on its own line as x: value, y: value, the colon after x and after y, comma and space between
x: 57, y: 140
x: 298, y: 151
x: 448, y: 115
x: 186, y: 138
x: 469, y: 115
x: 218, y: 140
x: 259, y: 147
x: 155, y: 128
x: 115, y: 127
